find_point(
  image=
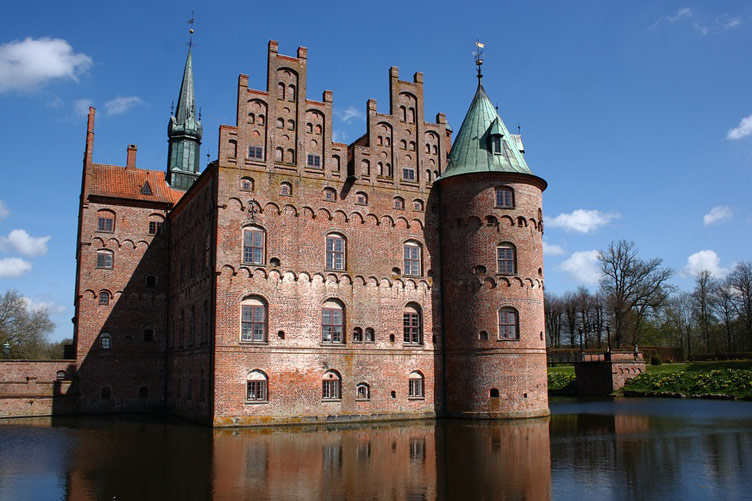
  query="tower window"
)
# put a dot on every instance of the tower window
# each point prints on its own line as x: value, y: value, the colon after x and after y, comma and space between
x: 506, y: 256
x: 253, y: 246
x: 362, y: 392
x: 496, y: 145
x: 285, y: 189
x: 332, y: 322
x: 104, y: 298
x: 257, y: 387
x: 255, y: 152
x: 253, y: 321
x: 412, y: 325
x: 408, y: 174
x: 331, y: 386
x: 314, y: 161
x: 412, y: 259
x: 416, y: 388
x: 105, y: 341
x: 508, y: 324
x: 246, y: 184
x: 504, y: 198
x: 155, y: 227
x: 335, y: 252
x: 105, y: 259
x: 361, y: 198
x: 399, y: 203
x: 105, y: 223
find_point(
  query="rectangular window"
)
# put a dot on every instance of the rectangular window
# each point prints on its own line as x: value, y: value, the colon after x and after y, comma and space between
x: 508, y: 324
x: 104, y: 260
x: 412, y: 260
x: 253, y: 247
x: 105, y: 224
x: 506, y: 260
x: 330, y: 389
x: 504, y: 198
x: 314, y: 161
x: 256, y: 391
x: 335, y: 253
x: 416, y: 387
x: 255, y: 152
x: 408, y: 174
x: 331, y: 325
x: 411, y: 328
x: 253, y: 323
x: 155, y: 227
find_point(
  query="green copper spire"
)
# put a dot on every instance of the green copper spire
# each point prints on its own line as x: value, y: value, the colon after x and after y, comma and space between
x: 184, y: 135
x: 483, y: 143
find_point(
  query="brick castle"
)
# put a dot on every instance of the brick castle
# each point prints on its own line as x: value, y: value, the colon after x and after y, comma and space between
x: 298, y: 279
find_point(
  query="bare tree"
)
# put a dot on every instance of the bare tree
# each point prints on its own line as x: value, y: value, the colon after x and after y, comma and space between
x: 723, y: 305
x: 634, y: 287
x: 680, y: 312
x: 570, y: 312
x: 702, y: 297
x: 740, y: 280
x: 23, y: 330
x: 554, y: 310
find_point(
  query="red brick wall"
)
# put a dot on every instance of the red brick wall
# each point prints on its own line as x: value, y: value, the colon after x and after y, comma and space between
x: 32, y: 388
x: 474, y: 292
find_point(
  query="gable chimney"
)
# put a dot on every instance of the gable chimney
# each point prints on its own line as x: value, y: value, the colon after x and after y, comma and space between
x: 131, y: 162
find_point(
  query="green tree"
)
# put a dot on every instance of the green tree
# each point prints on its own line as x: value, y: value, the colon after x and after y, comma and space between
x: 23, y: 330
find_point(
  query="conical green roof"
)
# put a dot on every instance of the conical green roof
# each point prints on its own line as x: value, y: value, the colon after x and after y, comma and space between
x: 471, y: 150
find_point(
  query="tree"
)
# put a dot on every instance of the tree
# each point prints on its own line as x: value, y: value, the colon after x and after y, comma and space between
x: 680, y: 313
x: 740, y: 280
x: 570, y: 311
x: 554, y: 310
x: 702, y: 297
x: 24, y: 329
x: 723, y: 304
x: 633, y: 287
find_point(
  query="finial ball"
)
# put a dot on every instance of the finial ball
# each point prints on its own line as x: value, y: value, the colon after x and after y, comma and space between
x: 190, y: 31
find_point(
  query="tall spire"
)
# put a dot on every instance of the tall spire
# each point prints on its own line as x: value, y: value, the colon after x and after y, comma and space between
x: 184, y: 132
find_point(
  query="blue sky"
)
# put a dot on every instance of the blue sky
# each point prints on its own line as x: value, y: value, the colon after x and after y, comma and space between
x: 639, y: 115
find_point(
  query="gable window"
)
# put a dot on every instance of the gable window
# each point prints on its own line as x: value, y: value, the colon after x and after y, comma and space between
x: 285, y: 189
x: 504, y: 198
x: 408, y: 174
x: 331, y: 386
x: 104, y: 259
x: 106, y: 222
x: 155, y: 227
x: 411, y: 325
x: 246, y: 184
x: 335, y: 252
x: 146, y: 189
x: 412, y: 259
x: 508, y: 324
x: 314, y: 161
x: 332, y: 323
x: 255, y: 152
x: 506, y: 258
x: 105, y: 341
x: 253, y: 321
x: 362, y: 392
x: 253, y: 246
x: 104, y: 298
x: 416, y: 387
x: 257, y: 387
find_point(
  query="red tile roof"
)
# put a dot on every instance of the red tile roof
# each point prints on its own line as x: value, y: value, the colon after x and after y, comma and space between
x: 119, y: 182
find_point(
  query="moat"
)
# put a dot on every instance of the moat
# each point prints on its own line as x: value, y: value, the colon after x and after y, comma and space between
x: 602, y: 449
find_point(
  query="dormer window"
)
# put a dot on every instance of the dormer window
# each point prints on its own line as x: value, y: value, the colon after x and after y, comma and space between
x: 496, y: 145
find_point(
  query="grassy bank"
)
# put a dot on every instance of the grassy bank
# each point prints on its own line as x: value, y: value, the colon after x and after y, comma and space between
x: 726, y: 379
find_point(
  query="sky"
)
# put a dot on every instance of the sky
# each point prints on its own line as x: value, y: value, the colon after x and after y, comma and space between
x: 638, y: 114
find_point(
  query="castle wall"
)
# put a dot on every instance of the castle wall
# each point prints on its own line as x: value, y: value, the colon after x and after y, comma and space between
x: 479, y: 359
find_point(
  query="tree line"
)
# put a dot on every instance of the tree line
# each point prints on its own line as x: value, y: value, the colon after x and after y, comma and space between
x: 24, y: 330
x: 635, y: 304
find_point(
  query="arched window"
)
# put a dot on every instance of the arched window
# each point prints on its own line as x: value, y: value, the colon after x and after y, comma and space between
x: 61, y: 375
x: 380, y: 141
x: 253, y: 245
x: 357, y: 335
x: 278, y: 152
x: 291, y: 124
x: 331, y: 386
x: 412, y: 324
x: 411, y: 115
x: 257, y: 387
x: 151, y: 281
x: 336, y: 162
x: 403, y: 113
x: 105, y: 259
x: 416, y: 388
x: 335, y: 252
x: 104, y: 298
x: 361, y: 198
x: 506, y: 259
x: 504, y: 198
x: 105, y: 221
x: 251, y: 118
x: 285, y: 189
x: 105, y: 341
x: 508, y: 323
x: 246, y: 184
x: 418, y: 205
x: 412, y: 259
x: 280, y: 123
x: 291, y: 92
x: 148, y: 335
x: 494, y: 393
x: 330, y: 194
x: 280, y: 90
x: 370, y: 335
x: 290, y: 157
x: 318, y: 129
x: 253, y: 320
x: 362, y: 391
x: 399, y: 203
x: 309, y: 128
x: 332, y: 322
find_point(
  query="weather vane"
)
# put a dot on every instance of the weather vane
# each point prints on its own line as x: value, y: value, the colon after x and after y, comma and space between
x: 479, y: 56
x: 190, y: 30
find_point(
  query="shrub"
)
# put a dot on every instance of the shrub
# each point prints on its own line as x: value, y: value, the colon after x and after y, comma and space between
x: 655, y: 360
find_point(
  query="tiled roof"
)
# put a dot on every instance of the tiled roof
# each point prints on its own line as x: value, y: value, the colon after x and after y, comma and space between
x: 119, y: 182
x: 471, y: 148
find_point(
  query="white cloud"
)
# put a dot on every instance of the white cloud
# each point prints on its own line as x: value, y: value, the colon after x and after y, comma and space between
x: 13, y: 267
x: 582, y: 221
x: 29, y: 64
x: 583, y: 266
x: 553, y: 249
x: 701, y: 24
x: 4, y: 212
x: 81, y: 107
x: 683, y: 13
x: 716, y: 214
x: 349, y: 114
x: 121, y: 104
x: 49, y: 306
x: 23, y: 243
x: 744, y: 129
x: 706, y: 260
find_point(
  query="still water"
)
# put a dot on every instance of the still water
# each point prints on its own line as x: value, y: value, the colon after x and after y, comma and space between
x: 595, y: 449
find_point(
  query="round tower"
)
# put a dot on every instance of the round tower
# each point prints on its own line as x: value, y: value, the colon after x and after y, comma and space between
x: 492, y: 272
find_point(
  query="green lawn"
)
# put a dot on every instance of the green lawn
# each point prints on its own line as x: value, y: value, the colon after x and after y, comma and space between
x: 678, y: 367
